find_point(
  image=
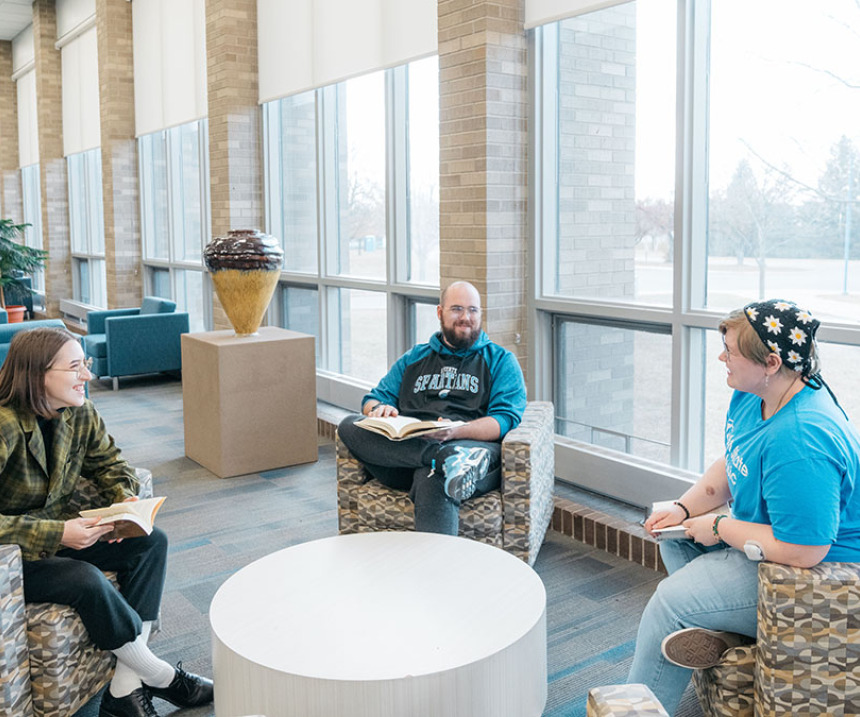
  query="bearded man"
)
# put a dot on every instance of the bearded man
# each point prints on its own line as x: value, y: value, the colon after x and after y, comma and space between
x: 459, y: 375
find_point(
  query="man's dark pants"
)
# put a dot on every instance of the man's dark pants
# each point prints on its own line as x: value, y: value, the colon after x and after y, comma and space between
x: 406, y: 465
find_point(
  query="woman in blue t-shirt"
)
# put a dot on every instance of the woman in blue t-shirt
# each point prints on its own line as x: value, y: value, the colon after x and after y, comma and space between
x: 789, y: 471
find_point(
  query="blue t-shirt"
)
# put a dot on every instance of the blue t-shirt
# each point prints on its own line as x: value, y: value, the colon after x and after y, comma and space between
x: 796, y: 471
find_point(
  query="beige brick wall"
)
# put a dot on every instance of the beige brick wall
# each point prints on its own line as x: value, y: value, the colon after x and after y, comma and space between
x: 10, y: 178
x: 483, y: 159
x: 52, y: 165
x: 120, y: 190
x: 235, y: 121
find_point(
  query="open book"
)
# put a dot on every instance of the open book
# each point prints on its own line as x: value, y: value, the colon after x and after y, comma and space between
x: 399, y: 428
x: 131, y: 520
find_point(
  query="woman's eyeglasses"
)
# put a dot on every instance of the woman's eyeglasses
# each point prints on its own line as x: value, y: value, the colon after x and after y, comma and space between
x: 86, y: 365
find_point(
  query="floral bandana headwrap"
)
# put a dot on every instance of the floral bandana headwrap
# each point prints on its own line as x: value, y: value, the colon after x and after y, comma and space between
x: 787, y: 331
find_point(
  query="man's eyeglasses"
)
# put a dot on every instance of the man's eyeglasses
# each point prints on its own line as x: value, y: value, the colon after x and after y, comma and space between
x: 459, y: 310
x: 86, y: 365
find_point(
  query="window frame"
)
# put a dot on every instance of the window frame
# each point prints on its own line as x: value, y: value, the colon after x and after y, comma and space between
x: 173, y: 264
x: 622, y: 476
x: 400, y: 293
x: 86, y: 217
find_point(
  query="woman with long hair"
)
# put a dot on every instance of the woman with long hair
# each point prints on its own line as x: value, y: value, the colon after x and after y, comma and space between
x: 51, y: 435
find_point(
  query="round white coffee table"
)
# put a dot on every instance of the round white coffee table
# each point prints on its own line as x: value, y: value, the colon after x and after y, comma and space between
x: 375, y: 624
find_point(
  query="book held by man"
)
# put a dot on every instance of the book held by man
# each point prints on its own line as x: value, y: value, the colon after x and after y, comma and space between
x: 399, y: 428
x: 131, y: 520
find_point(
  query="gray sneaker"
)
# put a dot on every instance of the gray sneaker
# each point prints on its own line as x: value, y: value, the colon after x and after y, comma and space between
x: 462, y: 468
x: 698, y: 648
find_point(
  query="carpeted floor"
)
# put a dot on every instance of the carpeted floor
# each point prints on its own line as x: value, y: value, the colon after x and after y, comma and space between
x: 216, y: 526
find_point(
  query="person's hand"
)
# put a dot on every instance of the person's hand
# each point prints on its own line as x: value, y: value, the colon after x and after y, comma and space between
x: 383, y: 410
x: 665, y: 518
x: 80, y: 533
x: 131, y: 499
x: 443, y: 434
x: 701, y: 529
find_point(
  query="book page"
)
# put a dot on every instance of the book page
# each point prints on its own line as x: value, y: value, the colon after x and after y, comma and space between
x: 396, y: 424
x: 146, y: 508
x: 399, y: 428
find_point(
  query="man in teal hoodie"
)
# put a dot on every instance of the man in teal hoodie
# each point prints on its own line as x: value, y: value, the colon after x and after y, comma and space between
x: 459, y: 375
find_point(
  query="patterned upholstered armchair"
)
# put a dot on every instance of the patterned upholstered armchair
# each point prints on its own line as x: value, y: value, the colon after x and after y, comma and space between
x: 806, y: 660
x: 623, y: 701
x: 48, y: 665
x: 514, y: 518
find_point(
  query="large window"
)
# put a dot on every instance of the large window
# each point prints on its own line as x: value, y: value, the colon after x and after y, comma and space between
x: 32, y: 200
x: 174, y: 180
x: 352, y: 188
x: 688, y: 161
x: 86, y: 228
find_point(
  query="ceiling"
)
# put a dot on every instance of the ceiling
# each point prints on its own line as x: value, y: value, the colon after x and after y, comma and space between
x: 15, y: 15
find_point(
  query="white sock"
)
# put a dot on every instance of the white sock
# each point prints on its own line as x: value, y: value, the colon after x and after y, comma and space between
x: 125, y: 680
x: 150, y: 669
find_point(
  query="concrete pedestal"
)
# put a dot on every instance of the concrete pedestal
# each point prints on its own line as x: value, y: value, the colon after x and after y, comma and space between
x: 249, y: 402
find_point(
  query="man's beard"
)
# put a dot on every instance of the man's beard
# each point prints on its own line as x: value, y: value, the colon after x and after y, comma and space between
x: 458, y: 343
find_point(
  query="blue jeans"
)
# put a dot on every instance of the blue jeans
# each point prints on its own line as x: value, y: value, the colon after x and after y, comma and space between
x: 405, y: 465
x: 715, y: 588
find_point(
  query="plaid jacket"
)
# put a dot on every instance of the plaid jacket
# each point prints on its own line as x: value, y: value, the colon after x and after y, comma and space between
x: 35, y: 491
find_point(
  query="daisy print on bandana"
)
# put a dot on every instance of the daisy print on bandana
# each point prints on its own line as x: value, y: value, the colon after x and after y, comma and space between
x: 773, y: 324
x: 785, y: 329
x: 797, y: 336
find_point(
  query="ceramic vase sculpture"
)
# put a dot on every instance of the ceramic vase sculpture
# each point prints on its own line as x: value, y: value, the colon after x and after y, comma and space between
x: 245, y: 267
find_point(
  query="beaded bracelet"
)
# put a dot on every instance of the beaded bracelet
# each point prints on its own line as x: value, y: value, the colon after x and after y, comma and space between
x: 683, y: 507
x: 716, y: 526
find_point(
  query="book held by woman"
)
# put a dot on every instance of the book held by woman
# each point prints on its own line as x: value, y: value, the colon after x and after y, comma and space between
x: 132, y: 519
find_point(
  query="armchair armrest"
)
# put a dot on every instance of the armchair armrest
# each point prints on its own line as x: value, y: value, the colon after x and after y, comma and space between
x: 96, y: 319
x: 144, y: 344
x: 349, y: 470
x: 14, y: 656
x: 528, y: 479
x: 808, y: 649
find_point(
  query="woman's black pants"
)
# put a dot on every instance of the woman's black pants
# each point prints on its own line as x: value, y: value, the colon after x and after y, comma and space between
x: 75, y: 578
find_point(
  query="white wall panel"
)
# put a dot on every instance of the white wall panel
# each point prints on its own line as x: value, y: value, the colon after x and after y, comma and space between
x: 81, y: 120
x: 23, y: 49
x: 540, y: 12
x: 169, y: 63
x: 28, y: 128
x: 72, y: 14
x: 312, y: 43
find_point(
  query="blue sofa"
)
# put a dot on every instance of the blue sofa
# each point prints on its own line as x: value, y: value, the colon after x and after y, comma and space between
x: 126, y: 342
x: 7, y: 331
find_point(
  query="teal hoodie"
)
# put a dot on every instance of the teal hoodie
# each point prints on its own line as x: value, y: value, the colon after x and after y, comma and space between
x: 432, y: 380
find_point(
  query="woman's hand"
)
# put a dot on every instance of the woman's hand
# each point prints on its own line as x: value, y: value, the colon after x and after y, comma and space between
x: 701, y: 529
x: 665, y: 518
x: 80, y: 533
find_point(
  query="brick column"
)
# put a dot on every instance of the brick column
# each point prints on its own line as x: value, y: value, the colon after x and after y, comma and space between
x: 235, y: 121
x: 483, y: 158
x: 120, y: 190
x: 52, y: 165
x: 10, y: 178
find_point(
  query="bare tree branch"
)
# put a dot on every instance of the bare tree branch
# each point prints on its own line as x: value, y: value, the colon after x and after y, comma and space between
x: 779, y: 170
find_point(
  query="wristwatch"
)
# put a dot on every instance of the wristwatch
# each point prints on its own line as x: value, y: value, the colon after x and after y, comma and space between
x: 753, y: 550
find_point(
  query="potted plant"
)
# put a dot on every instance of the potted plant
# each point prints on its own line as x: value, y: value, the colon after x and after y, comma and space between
x: 15, y: 259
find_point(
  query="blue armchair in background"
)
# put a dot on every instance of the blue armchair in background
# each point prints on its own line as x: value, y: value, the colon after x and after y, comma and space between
x: 125, y: 342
